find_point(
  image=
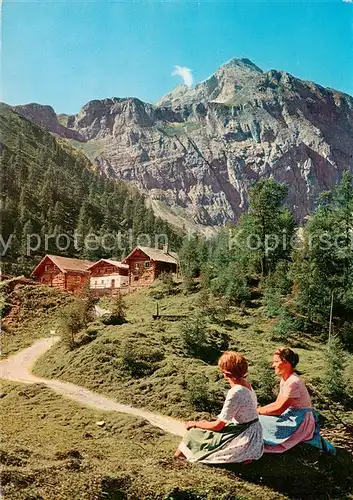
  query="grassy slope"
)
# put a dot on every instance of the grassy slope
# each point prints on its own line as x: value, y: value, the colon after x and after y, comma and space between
x: 127, y: 458
x: 53, y: 449
x: 98, y: 365
x: 142, y: 468
x: 36, y: 312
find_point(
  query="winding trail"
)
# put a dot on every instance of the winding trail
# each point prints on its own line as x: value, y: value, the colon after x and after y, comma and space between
x: 18, y: 369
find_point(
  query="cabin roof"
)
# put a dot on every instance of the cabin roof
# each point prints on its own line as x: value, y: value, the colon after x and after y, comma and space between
x: 65, y: 264
x: 115, y: 263
x: 156, y: 254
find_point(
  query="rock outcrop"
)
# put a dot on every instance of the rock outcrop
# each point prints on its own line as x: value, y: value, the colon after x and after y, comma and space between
x: 197, y: 151
x: 45, y: 117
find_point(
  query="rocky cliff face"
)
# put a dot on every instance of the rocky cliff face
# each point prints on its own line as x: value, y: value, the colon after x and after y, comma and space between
x: 45, y: 117
x: 196, y: 152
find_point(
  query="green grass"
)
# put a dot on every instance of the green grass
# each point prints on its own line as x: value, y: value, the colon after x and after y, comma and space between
x: 91, y: 149
x: 53, y: 449
x: 163, y: 388
x: 37, y: 313
x: 128, y: 458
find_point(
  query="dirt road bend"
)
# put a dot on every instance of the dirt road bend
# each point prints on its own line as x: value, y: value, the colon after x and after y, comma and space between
x: 18, y: 369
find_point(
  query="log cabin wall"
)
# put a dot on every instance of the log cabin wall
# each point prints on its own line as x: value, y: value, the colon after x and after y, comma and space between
x: 49, y: 273
x: 141, y: 269
x: 76, y: 282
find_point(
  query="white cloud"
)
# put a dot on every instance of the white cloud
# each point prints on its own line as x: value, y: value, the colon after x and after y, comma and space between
x: 185, y: 74
x: 348, y: 1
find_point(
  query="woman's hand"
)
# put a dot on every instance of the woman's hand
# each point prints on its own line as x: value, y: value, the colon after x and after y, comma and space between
x: 190, y: 424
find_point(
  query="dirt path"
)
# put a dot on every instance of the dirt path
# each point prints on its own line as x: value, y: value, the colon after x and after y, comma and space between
x: 18, y: 369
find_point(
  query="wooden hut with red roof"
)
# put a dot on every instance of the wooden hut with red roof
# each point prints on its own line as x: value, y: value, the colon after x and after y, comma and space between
x: 146, y: 264
x: 108, y: 276
x: 71, y: 275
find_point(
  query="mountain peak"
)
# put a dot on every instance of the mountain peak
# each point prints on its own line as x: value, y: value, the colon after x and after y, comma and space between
x: 241, y: 63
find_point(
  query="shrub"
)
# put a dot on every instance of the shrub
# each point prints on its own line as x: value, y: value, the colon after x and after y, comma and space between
x: 73, y: 321
x: 193, y: 335
x: 200, y: 342
x: 5, y: 304
x: 265, y: 383
x: 86, y: 336
x: 272, y: 302
x: 188, y: 285
x: 200, y: 397
x: 167, y: 279
x: 232, y: 284
x: 163, y: 287
x: 285, y: 327
x: 138, y: 363
x: 333, y: 380
x: 118, y: 313
x: 215, y: 309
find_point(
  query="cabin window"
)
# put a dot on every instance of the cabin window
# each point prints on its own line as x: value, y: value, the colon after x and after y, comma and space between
x: 48, y: 267
x: 137, y: 265
x: 76, y: 280
x: 95, y: 283
x: 147, y: 264
x: 102, y: 282
x: 42, y: 279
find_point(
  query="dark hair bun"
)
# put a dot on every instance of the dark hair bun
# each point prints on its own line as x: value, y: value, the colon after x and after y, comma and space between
x: 288, y: 355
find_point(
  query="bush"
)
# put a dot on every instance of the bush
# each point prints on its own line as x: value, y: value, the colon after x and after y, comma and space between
x: 188, y: 285
x: 200, y: 342
x: 5, y: 305
x: 232, y: 284
x: 167, y: 279
x: 200, y: 397
x: 265, y: 383
x: 139, y: 363
x: 333, y: 380
x: 88, y: 335
x: 193, y: 335
x: 163, y: 287
x: 285, y: 327
x: 272, y: 302
x: 73, y: 321
x: 118, y: 313
x: 215, y: 309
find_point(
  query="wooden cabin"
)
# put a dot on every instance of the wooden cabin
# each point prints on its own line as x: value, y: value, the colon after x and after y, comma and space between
x: 108, y: 276
x: 146, y: 264
x: 71, y: 275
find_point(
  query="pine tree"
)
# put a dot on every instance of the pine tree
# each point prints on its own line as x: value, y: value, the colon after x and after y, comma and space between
x: 323, y: 263
x: 262, y: 235
x: 334, y: 385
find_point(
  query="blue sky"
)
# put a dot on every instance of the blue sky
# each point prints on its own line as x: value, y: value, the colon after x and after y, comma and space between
x: 67, y: 53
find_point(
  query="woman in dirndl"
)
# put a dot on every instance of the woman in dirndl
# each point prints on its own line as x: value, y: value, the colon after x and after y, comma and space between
x: 236, y: 435
x: 290, y: 419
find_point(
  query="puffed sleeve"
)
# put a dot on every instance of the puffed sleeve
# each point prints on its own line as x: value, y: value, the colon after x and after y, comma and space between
x: 228, y: 410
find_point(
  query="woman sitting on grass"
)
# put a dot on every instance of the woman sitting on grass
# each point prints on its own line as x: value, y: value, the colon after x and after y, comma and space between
x: 236, y: 435
x: 290, y: 419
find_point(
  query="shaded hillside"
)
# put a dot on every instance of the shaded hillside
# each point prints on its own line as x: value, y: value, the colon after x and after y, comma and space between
x: 198, y: 150
x: 49, y: 188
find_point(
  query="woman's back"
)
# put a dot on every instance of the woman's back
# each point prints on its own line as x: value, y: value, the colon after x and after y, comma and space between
x: 240, y: 405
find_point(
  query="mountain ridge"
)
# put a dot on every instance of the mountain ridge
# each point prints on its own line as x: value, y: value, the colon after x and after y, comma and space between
x: 198, y: 150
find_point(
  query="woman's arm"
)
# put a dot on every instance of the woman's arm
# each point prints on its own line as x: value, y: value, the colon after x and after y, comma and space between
x: 276, y: 408
x: 216, y: 425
